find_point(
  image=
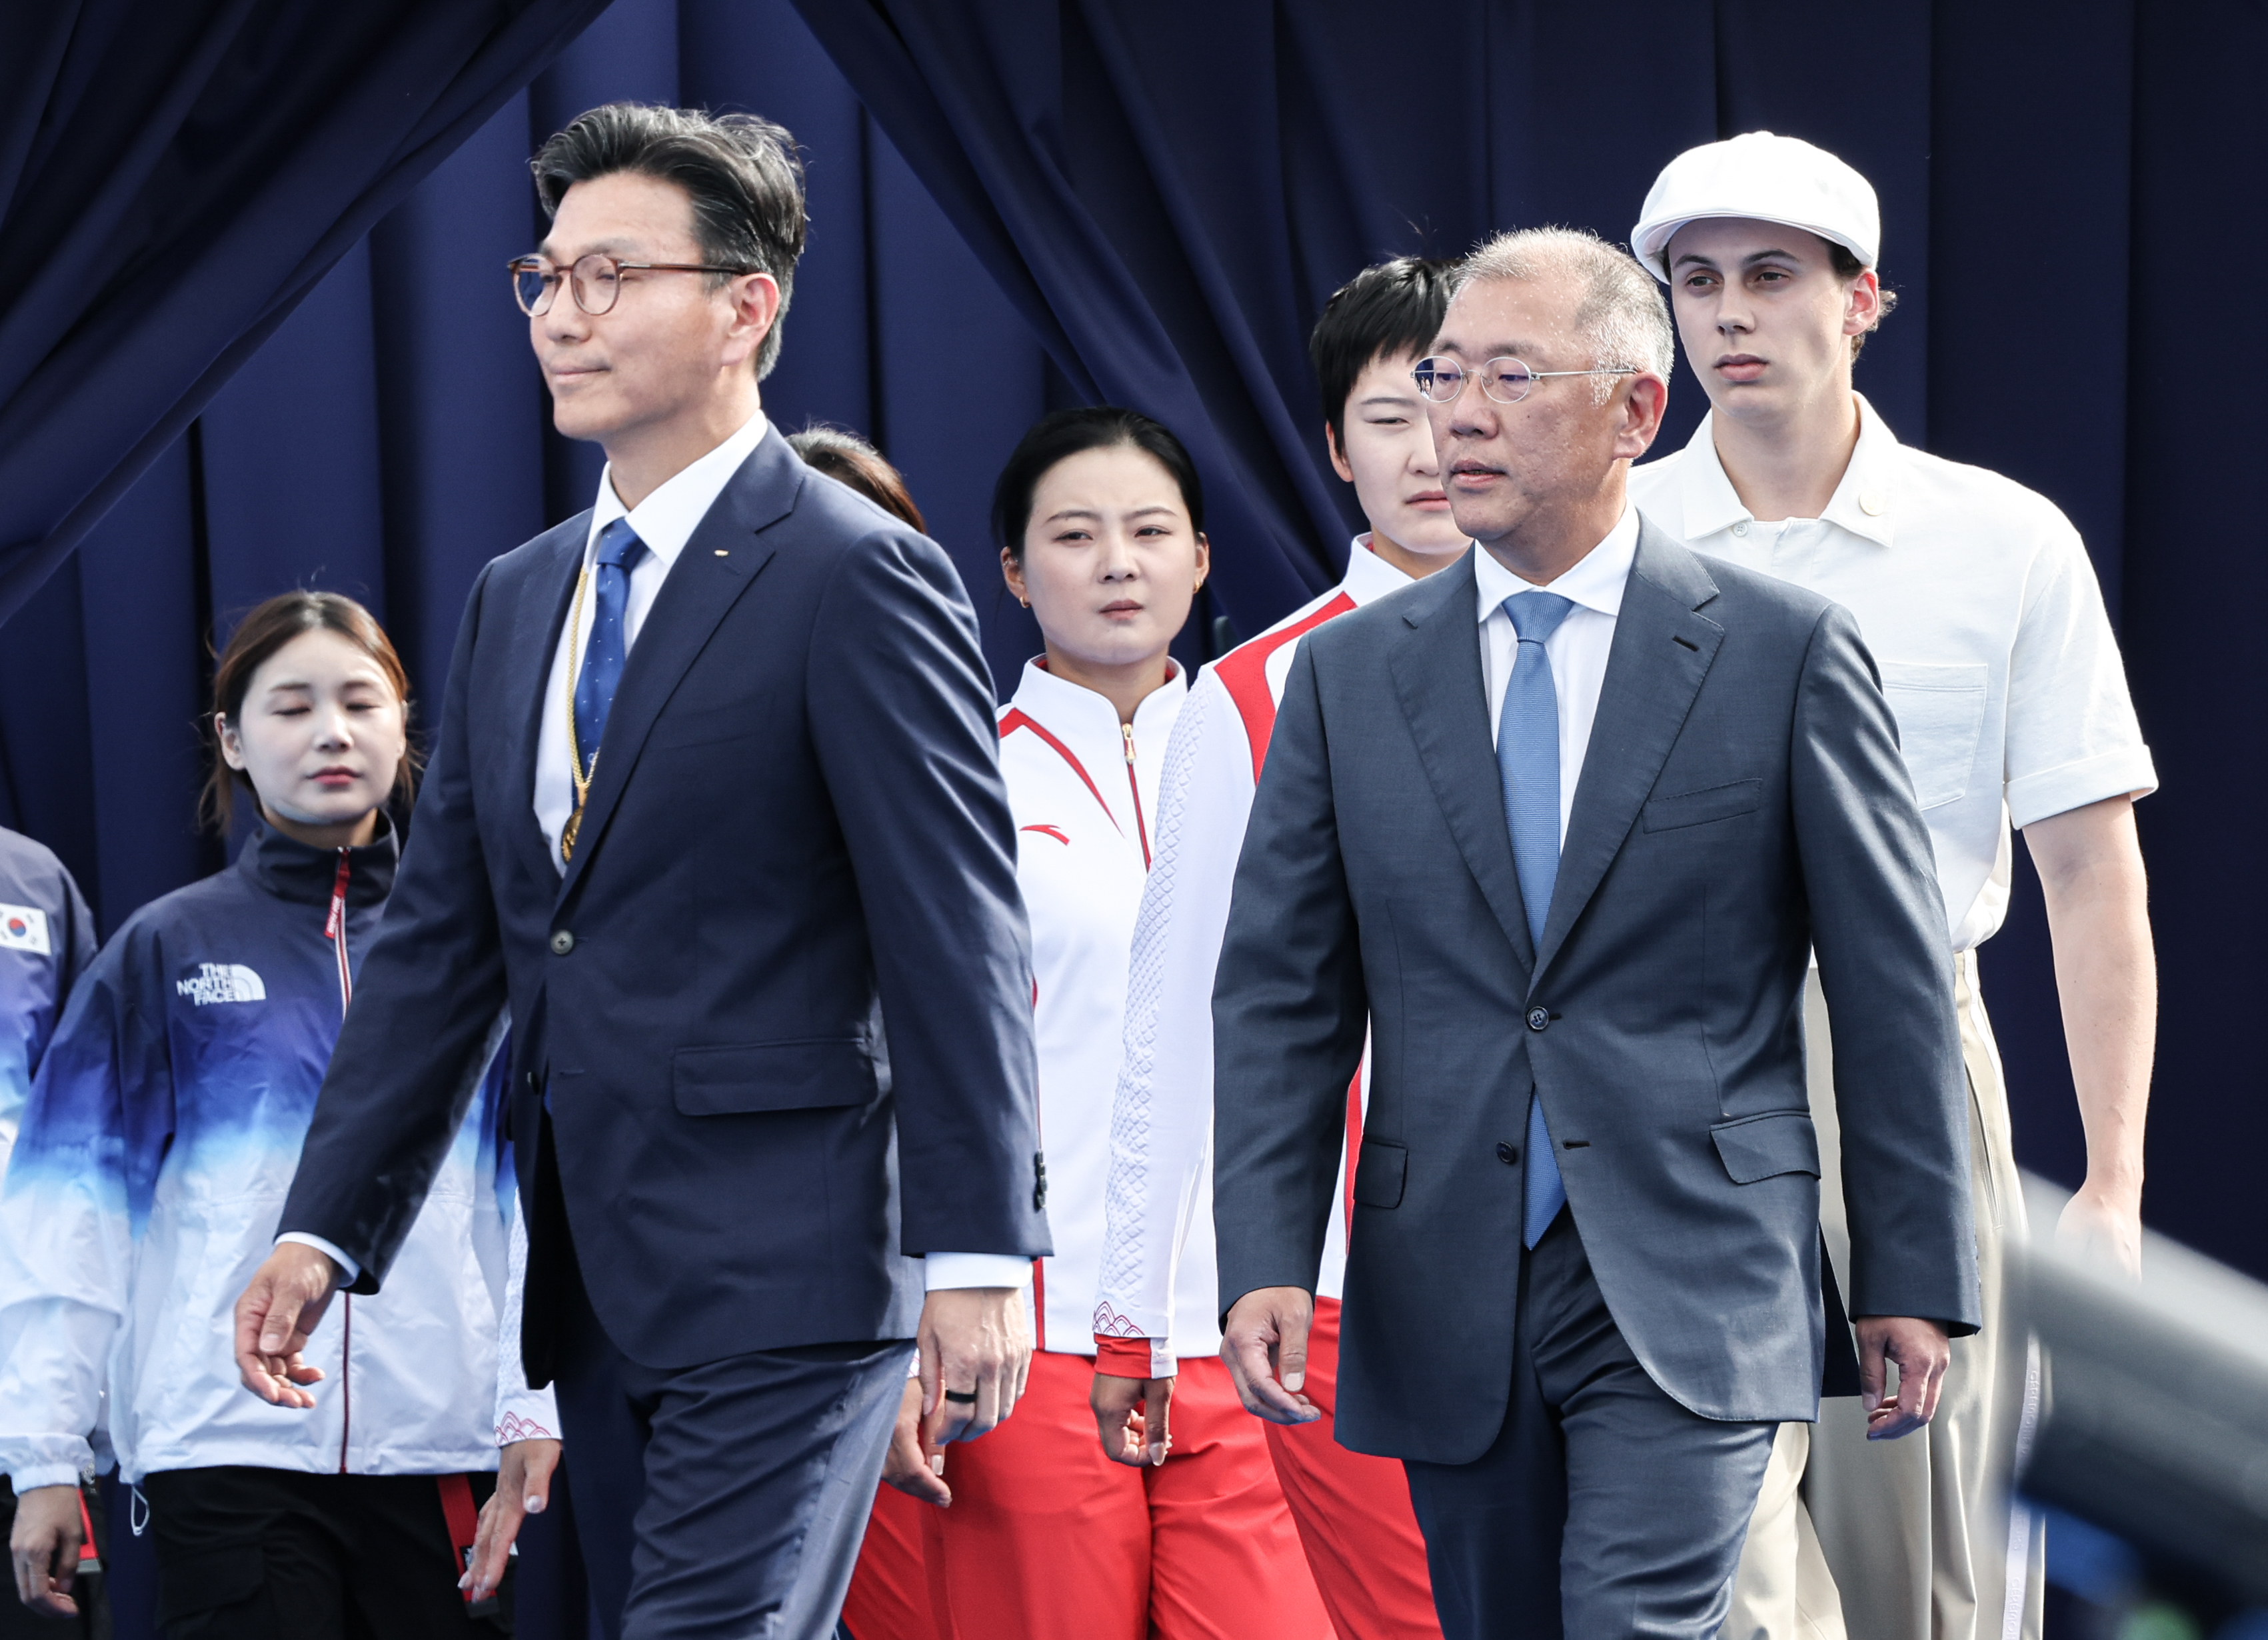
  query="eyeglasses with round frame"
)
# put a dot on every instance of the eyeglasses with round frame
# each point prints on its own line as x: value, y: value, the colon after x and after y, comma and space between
x: 595, y: 279
x: 1506, y: 380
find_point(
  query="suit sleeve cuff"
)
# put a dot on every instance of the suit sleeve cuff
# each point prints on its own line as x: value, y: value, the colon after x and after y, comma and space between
x: 353, y: 1270
x: 942, y: 1271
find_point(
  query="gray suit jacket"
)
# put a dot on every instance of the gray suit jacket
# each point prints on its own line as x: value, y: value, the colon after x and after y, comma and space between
x: 1741, y: 802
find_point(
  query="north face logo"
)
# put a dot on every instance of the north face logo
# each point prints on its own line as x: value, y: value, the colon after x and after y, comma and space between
x: 223, y: 982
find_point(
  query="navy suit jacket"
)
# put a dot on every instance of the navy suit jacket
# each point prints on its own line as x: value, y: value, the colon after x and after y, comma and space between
x: 1741, y: 802
x: 781, y: 1000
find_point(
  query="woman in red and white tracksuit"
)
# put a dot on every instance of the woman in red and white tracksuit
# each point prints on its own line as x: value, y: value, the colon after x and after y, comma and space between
x: 1100, y: 517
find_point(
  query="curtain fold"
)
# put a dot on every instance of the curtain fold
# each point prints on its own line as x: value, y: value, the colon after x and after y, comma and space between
x: 178, y: 177
x: 1050, y: 138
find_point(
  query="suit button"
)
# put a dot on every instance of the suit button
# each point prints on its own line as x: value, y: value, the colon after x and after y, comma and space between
x: 1536, y: 1017
x: 1509, y: 1154
x: 563, y: 942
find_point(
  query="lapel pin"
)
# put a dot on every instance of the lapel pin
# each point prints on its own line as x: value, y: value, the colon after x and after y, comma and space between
x: 723, y: 553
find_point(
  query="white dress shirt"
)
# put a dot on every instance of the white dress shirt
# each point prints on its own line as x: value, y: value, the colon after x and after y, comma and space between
x: 1980, y: 605
x: 1578, y: 650
x: 665, y: 521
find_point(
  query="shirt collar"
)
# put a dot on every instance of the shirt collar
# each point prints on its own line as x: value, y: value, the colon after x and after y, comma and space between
x: 1861, y: 503
x: 666, y: 519
x: 1063, y: 705
x: 1596, y: 581
x: 1368, y: 575
x: 293, y: 870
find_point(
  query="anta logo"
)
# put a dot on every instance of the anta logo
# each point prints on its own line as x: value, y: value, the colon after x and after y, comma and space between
x: 24, y: 928
x: 223, y: 982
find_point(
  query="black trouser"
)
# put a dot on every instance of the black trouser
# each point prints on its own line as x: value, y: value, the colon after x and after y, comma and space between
x: 1604, y: 1509
x: 247, y: 1553
x: 17, y: 1622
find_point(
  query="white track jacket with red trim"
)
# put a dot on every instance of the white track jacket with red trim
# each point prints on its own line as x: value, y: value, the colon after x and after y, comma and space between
x: 1083, y: 788
x: 1159, y: 1236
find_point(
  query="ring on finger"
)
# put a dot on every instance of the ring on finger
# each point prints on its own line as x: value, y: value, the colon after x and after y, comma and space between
x: 961, y: 1398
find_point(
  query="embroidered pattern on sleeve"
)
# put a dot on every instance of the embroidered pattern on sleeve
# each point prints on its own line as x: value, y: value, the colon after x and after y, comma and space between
x: 1127, y: 1204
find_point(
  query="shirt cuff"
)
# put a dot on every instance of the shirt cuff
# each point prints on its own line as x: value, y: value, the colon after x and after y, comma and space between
x: 352, y: 1269
x: 942, y: 1271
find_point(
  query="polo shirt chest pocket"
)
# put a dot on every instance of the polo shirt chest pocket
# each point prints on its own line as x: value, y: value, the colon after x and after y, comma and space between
x: 1939, y: 707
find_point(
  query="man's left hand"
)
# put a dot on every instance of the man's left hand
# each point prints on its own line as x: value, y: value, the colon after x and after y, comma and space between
x: 1922, y: 1353
x: 975, y: 1352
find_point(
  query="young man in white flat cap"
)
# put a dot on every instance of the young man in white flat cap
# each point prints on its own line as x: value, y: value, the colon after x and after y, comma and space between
x: 1982, y: 611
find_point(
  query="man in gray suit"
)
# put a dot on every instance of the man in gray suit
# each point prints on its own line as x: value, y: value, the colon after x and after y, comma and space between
x: 1559, y: 826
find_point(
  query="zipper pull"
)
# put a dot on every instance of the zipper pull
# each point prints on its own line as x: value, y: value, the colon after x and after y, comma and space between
x: 1127, y: 730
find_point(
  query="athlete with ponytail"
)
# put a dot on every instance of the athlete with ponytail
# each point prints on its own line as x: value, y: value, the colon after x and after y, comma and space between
x: 156, y: 1145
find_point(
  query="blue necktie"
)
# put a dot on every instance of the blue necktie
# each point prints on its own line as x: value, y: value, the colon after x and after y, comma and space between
x: 608, y: 647
x: 1527, y: 762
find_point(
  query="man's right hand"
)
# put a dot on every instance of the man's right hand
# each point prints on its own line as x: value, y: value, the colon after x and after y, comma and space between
x: 975, y: 1350
x: 287, y: 1298
x: 1134, y: 1417
x: 44, y: 1547
x: 1265, y: 1346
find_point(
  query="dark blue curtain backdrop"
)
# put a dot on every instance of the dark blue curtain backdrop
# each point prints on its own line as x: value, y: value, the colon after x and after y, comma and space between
x: 1021, y: 202
x: 174, y: 178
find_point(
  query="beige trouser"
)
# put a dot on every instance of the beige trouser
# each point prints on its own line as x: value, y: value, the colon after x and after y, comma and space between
x: 1907, y: 1539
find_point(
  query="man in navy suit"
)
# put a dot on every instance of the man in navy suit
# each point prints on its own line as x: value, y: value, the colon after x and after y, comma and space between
x: 714, y: 809
x: 1565, y: 868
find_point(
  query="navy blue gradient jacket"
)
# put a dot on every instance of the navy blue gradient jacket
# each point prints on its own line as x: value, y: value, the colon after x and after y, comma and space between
x: 158, y: 1141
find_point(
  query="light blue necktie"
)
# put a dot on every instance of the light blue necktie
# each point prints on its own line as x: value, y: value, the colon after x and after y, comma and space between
x: 608, y: 647
x: 1527, y: 762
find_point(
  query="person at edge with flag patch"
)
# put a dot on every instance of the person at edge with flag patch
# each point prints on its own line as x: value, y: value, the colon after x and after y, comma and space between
x: 1352, y: 1511
x: 156, y: 1149
x: 46, y: 939
x: 1100, y: 517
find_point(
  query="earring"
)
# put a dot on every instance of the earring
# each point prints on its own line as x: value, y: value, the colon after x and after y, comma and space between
x: 1026, y: 603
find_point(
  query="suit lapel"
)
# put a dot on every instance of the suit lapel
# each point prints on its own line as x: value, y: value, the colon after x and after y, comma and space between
x: 716, y: 567
x: 1661, y: 653
x: 534, y: 641
x: 1437, y: 675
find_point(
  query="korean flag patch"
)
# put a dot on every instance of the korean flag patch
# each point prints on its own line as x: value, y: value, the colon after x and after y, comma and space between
x: 24, y: 929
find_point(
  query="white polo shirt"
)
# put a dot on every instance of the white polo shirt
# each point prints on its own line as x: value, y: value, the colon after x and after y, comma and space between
x: 1982, y: 610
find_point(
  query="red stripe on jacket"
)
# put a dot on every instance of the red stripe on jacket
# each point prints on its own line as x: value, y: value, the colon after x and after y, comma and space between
x: 1244, y: 673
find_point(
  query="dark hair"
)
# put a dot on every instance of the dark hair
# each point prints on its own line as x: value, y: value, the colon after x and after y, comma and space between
x: 1395, y: 307
x: 1062, y: 434
x: 1847, y: 266
x: 849, y: 460
x: 266, y: 630
x: 741, y: 172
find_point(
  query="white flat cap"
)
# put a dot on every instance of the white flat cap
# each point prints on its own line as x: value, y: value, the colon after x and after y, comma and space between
x: 1771, y: 179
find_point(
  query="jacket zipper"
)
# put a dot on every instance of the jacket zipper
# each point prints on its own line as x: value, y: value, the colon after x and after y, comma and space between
x: 335, y: 929
x: 1140, y: 830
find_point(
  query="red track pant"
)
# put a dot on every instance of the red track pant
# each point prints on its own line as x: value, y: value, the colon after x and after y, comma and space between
x: 1048, y: 1539
x: 1353, y: 1512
